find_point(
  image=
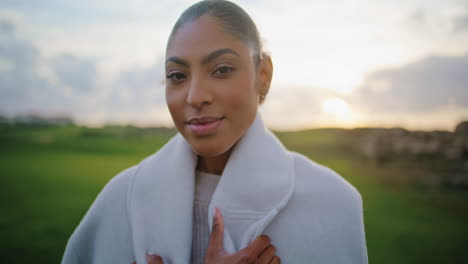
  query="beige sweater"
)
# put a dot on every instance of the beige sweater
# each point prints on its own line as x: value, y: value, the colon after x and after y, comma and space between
x: 205, y: 184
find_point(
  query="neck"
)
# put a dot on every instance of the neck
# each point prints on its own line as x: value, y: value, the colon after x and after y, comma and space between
x: 213, y: 165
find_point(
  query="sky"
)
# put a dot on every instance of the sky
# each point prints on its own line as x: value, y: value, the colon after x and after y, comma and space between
x: 337, y: 63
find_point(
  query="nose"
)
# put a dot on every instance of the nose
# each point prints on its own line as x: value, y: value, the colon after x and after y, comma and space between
x: 199, y: 93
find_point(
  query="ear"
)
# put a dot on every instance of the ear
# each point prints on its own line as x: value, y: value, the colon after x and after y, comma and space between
x: 265, y: 74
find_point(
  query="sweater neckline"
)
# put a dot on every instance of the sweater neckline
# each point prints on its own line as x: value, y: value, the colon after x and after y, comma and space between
x: 205, y: 185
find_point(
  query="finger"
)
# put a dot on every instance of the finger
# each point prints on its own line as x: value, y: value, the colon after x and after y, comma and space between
x: 217, y: 233
x: 276, y: 260
x: 134, y: 262
x: 267, y: 256
x: 154, y: 259
x: 257, y: 246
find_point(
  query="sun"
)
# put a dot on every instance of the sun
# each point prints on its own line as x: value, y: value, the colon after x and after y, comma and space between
x: 337, y: 108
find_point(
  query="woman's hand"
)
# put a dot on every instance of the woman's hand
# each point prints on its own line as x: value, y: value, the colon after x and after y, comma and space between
x: 152, y: 259
x: 260, y: 251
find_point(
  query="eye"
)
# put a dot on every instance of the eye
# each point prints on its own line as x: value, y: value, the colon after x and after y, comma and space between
x: 223, y: 70
x: 176, y: 76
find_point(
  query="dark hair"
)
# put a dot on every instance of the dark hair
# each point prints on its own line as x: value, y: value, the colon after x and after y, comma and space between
x: 231, y: 17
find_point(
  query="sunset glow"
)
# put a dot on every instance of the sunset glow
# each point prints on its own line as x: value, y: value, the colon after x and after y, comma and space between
x: 337, y: 108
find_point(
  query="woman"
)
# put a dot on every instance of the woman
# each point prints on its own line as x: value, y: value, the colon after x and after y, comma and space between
x: 273, y: 205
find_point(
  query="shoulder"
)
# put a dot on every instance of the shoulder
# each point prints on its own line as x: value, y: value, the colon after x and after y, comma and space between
x: 112, y: 199
x: 327, y: 214
x: 318, y: 180
x: 105, y: 227
x: 114, y: 194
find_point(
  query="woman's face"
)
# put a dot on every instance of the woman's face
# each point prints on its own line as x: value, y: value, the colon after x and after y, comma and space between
x: 212, y: 86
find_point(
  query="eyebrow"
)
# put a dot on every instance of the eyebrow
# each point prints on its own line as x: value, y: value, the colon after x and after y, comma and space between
x: 217, y: 53
x: 206, y: 59
x: 178, y: 61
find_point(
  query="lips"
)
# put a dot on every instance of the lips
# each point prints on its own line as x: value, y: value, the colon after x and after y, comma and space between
x: 204, y: 126
x: 203, y: 120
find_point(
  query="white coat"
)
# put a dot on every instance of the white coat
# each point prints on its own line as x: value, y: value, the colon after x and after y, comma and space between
x: 311, y: 214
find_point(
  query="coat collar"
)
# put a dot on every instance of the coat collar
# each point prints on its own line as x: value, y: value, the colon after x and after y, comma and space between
x: 256, y: 183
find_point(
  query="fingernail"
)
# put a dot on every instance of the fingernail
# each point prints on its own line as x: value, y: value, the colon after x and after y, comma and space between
x: 151, y: 253
x: 215, y: 214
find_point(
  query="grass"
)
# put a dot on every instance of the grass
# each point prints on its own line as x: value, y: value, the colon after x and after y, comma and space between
x: 51, y: 175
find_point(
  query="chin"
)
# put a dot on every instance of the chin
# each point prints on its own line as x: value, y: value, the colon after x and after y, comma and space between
x: 205, y: 149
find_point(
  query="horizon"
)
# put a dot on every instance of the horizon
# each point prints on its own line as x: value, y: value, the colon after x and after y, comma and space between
x: 14, y: 120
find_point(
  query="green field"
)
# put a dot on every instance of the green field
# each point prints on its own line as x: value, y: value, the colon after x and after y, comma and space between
x: 51, y: 175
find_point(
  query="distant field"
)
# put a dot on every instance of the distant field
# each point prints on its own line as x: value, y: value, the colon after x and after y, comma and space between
x: 51, y: 175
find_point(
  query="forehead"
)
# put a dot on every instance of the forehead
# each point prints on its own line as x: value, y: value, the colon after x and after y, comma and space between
x: 201, y: 36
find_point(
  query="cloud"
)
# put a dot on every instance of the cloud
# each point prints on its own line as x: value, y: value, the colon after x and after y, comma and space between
x: 460, y: 23
x: 70, y: 84
x: 73, y: 85
x: 6, y: 27
x: 20, y: 80
x: 429, y: 84
x: 138, y: 92
x: 79, y: 74
x: 29, y: 82
x: 438, y: 22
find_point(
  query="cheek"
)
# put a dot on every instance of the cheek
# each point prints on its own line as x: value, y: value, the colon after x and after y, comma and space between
x: 244, y: 96
x: 175, y: 103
